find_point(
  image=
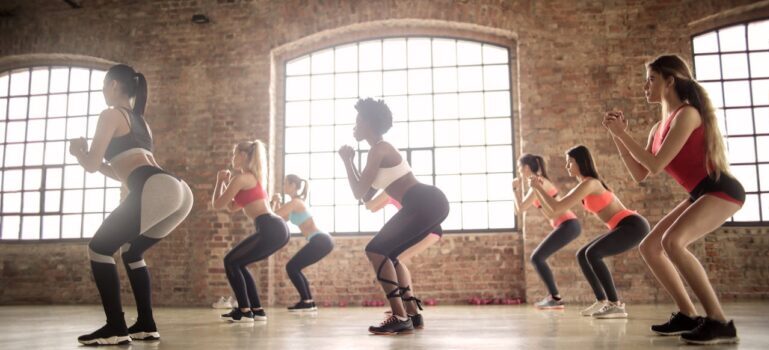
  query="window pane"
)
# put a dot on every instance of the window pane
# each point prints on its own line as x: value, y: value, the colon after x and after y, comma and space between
x: 95, y: 202
x: 96, y: 103
x: 298, y: 66
x: 422, y: 162
x: 346, y: 218
x: 12, y: 202
x: 79, y: 79
x: 4, y: 84
x: 71, y: 226
x: 324, y: 218
x: 421, y: 134
x: 474, y: 188
x: 54, y: 152
x: 707, y: 67
x: 3, y: 109
x: 706, y: 43
x: 34, y: 154
x: 496, y: 78
x: 741, y: 150
x: 343, y: 193
x: 52, y: 201
x: 394, y: 83
x: 450, y: 185
x: 501, y: 159
x: 30, y: 227
x: 762, y: 120
x: 746, y: 174
x: 739, y: 121
x: 111, y: 199
x: 371, y: 222
x: 737, y: 93
x: 57, y: 105
x: 322, y: 112
x: 475, y: 216
x: 735, y: 66
x: 11, y: 227
x: 732, y: 38
x: 454, y: 220
x: 59, y: 80
x: 320, y: 165
x: 447, y: 133
x: 394, y: 53
x: 91, y: 223
x: 420, y: 81
x: 501, y: 215
x: 97, y: 79
x: 346, y: 58
x: 758, y: 66
x: 750, y: 210
x: 343, y: 136
x: 470, y: 78
x: 298, y: 164
x: 77, y: 127
x: 14, y: 155
x: 468, y: 53
x: 33, y: 179
x: 446, y: 161
x: 446, y: 106
x: 370, y: 84
x: 715, y: 93
x: 51, y: 227
x: 78, y: 104
x: 20, y: 82
x: 398, y: 135
x: 419, y: 52
x: 73, y: 201
x: 323, y: 61
x: 297, y: 139
x: 399, y: 107
x: 297, y: 88
x: 494, y: 54
x: 36, y: 130
x: 346, y: 85
x: 322, y: 86
x: 757, y: 34
x: 760, y: 92
x: 73, y: 176
x: 2, y: 132
x: 420, y: 107
x: 445, y: 79
x: 323, y: 192
x: 499, y: 131
x: 31, y: 202
x: 297, y: 113
x: 444, y: 52
x: 370, y: 53
x: 17, y: 108
x: 762, y: 143
x: 473, y: 159
x: 500, y: 186
x: 471, y: 105
x: 38, y: 106
x: 497, y: 104
x: 472, y: 132
x: 94, y: 180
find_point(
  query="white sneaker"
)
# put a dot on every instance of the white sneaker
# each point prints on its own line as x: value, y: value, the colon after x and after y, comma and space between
x: 222, y: 303
x: 233, y: 302
x: 590, y: 310
x: 611, y: 310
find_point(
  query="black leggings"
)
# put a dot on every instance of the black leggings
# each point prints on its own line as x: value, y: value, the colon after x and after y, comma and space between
x: 424, y: 208
x: 319, y: 245
x: 271, y: 235
x: 557, y: 239
x: 156, y: 204
x: 627, y: 235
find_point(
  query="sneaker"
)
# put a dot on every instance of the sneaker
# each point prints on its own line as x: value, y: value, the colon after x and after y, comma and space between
x: 550, y: 303
x: 611, y: 310
x: 417, y: 321
x: 233, y: 302
x: 237, y: 316
x: 590, y: 310
x: 303, y: 307
x: 711, y: 332
x: 222, y: 303
x: 144, y: 331
x: 107, y: 335
x: 678, y: 324
x: 259, y: 315
x: 392, y: 326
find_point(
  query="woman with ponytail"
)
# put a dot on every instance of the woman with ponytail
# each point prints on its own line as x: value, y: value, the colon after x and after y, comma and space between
x: 156, y: 204
x: 319, y: 243
x: 687, y: 144
x: 565, y: 226
x: 245, y: 191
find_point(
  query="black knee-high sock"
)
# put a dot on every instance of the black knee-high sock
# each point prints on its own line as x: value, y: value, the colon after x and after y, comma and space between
x: 108, y: 284
x: 140, y: 284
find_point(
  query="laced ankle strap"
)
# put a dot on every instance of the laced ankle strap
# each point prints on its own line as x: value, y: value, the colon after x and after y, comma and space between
x: 395, y: 293
x: 403, y: 291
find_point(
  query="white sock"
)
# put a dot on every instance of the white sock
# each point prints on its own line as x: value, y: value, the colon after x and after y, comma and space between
x: 401, y: 318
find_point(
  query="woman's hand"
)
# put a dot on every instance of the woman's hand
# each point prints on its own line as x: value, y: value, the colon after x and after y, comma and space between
x: 615, y: 122
x: 78, y: 146
x: 223, y: 175
x: 346, y: 152
x: 516, y: 183
x: 535, y: 182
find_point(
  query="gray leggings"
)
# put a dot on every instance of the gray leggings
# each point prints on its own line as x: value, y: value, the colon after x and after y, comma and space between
x: 562, y: 235
x: 627, y: 235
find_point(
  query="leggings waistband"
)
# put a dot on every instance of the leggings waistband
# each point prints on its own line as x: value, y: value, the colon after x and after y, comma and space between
x: 615, y: 220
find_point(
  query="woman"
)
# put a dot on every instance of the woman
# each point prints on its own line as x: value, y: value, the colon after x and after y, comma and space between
x: 245, y: 191
x: 319, y: 243
x: 687, y: 144
x: 566, y: 227
x: 378, y: 203
x: 424, y: 208
x: 626, y: 228
x: 156, y: 204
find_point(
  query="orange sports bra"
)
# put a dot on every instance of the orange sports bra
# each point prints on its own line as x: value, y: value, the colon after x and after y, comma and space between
x: 594, y: 203
x: 553, y: 191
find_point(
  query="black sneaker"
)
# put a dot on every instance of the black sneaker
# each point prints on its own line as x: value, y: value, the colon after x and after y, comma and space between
x: 392, y: 326
x: 107, y: 335
x: 303, y: 307
x: 237, y: 316
x: 259, y: 315
x: 417, y: 321
x: 711, y: 332
x: 678, y: 323
x: 144, y: 330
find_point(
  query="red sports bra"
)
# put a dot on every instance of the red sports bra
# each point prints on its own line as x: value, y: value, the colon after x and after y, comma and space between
x: 594, y: 203
x: 688, y: 167
x: 245, y: 197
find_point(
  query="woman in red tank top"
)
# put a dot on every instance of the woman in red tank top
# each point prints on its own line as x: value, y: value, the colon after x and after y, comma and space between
x: 687, y: 144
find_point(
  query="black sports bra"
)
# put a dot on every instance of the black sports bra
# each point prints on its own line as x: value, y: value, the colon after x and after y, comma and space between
x: 138, y: 137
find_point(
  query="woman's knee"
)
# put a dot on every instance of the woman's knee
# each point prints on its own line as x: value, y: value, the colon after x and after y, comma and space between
x: 672, y: 243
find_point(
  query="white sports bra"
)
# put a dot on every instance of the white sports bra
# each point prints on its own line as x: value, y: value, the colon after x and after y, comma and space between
x: 386, y: 176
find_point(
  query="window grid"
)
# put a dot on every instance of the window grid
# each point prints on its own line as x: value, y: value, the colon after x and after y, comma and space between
x: 756, y: 214
x: 43, y: 215
x: 486, y: 146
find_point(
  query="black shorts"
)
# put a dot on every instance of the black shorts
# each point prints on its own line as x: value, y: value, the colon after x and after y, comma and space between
x: 726, y: 187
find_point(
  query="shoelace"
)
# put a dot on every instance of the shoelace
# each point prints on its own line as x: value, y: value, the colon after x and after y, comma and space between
x: 389, y: 320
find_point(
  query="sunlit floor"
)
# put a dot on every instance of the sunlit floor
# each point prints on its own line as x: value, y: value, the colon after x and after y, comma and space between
x: 447, y: 327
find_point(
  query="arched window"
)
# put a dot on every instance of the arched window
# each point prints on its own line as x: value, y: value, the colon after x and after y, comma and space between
x: 451, y: 104
x: 732, y: 63
x: 45, y: 193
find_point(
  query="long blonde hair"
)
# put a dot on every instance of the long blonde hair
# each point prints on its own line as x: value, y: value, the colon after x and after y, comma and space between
x: 256, y: 159
x: 690, y: 91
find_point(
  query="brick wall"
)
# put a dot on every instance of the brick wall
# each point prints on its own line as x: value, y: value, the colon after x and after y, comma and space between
x: 210, y: 86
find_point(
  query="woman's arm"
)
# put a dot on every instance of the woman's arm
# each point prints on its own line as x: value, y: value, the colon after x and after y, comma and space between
x: 680, y: 128
x: 107, y: 171
x: 377, y: 203
x: 225, y: 193
x: 90, y: 159
x: 559, y: 206
x: 522, y: 202
x: 361, y: 184
x: 285, y: 210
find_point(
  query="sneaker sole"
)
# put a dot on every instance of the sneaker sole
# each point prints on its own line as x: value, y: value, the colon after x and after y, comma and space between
x: 734, y: 340
x: 116, y: 340
x: 561, y: 307
x: 669, y: 334
x: 260, y: 318
x: 609, y: 316
x: 406, y: 331
x: 303, y: 310
x: 145, y: 336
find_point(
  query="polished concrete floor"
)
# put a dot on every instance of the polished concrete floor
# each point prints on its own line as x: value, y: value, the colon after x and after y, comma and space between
x: 447, y: 327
